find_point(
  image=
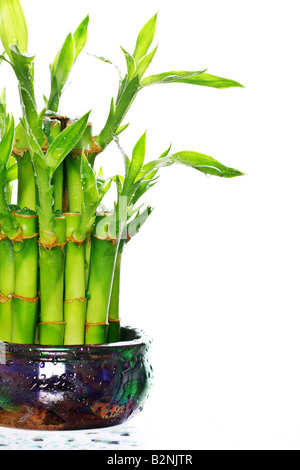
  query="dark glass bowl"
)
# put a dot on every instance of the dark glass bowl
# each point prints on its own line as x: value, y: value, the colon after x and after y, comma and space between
x: 74, y: 387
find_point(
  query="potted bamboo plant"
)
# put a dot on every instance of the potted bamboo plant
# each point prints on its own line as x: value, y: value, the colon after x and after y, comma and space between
x: 65, y: 360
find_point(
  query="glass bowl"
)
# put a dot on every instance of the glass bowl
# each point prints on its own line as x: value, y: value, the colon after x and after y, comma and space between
x: 74, y: 387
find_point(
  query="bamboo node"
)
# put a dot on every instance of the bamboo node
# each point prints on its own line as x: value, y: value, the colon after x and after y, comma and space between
x: 25, y: 237
x: 19, y: 237
x: 49, y: 246
x: 94, y: 148
x: 87, y: 325
x: 107, y: 239
x: 32, y: 300
x: 5, y: 298
x: 73, y: 240
x: 81, y: 299
x: 19, y: 152
x: 114, y: 320
x: 52, y: 323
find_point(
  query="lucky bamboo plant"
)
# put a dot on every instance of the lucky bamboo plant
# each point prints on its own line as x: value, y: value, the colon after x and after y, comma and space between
x: 60, y: 247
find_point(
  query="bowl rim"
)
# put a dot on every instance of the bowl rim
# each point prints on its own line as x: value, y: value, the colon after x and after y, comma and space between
x: 140, y: 338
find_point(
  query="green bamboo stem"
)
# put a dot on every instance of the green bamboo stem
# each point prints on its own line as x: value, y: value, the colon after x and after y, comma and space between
x: 75, y: 195
x: 25, y: 300
x: 72, y: 163
x: 52, y: 326
x: 26, y: 196
x: 114, y: 329
x: 88, y: 251
x: 58, y: 183
x: 103, y: 259
x: 26, y: 182
x: 75, y: 283
x: 7, y: 274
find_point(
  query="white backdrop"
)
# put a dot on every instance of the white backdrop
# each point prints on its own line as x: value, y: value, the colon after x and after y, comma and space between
x: 214, y: 275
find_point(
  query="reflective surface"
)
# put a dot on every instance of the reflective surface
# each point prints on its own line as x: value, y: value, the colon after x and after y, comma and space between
x: 74, y: 387
x: 122, y: 437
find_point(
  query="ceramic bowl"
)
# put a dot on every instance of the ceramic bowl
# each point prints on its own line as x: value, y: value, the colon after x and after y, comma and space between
x: 74, y: 387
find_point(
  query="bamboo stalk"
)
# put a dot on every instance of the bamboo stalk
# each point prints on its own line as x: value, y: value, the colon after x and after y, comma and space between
x: 75, y: 196
x: 26, y: 180
x: 52, y: 326
x: 7, y: 274
x: 75, y: 283
x: 114, y: 329
x: 73, y: 162
x: 25, y: 299
x: 103, y: 259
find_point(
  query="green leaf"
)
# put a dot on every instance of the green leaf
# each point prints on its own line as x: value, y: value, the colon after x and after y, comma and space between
x: 12, y: 173
x: 91, y: 198
x: 137, y: 161
x: 131, y: 65
x: 105, y: 135
x: 117, y: 113
x: 24, y: 68
x: 145, y: 62
x: 198, y: 161
x: 45, y: 192
x: 4, y: 117
x: 121, y: 129
x: 30, y: 113
x: 145, y: 39
x: 60, y: 71
x: 143, y: 186
x: 193, y: 78
x: 65, y: 142
x: 6, y: 143
x: 13, y: 28
x: 81, y: 35
x: 126, y: 99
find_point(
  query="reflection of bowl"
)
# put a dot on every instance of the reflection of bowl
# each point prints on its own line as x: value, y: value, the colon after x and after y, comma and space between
x: 74, y: 387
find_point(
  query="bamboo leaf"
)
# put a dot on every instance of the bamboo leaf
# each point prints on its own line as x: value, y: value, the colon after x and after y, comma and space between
x: 81, y: 35
x: 145, y: 38
x: 45, y: 191
x: 193, y: 78
x: 131, y: 65
x: 198, y: 161
x: 126, y: 99
x: 143, y: 186
x: 60, y: 71
x: 121, y: 129
x: 145, y: 62
x: 65, y: 142
x: 138, y: 157
x: 6, y: 143
x: 12, y: 173
x: 4, y: 117
x: 166, y: 152
x: 91, y: 198
x: 13, y: 27
x: 30, y: 113
x: 105, y: 135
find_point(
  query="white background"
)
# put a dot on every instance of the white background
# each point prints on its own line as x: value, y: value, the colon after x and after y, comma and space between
x: 214, y: 275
